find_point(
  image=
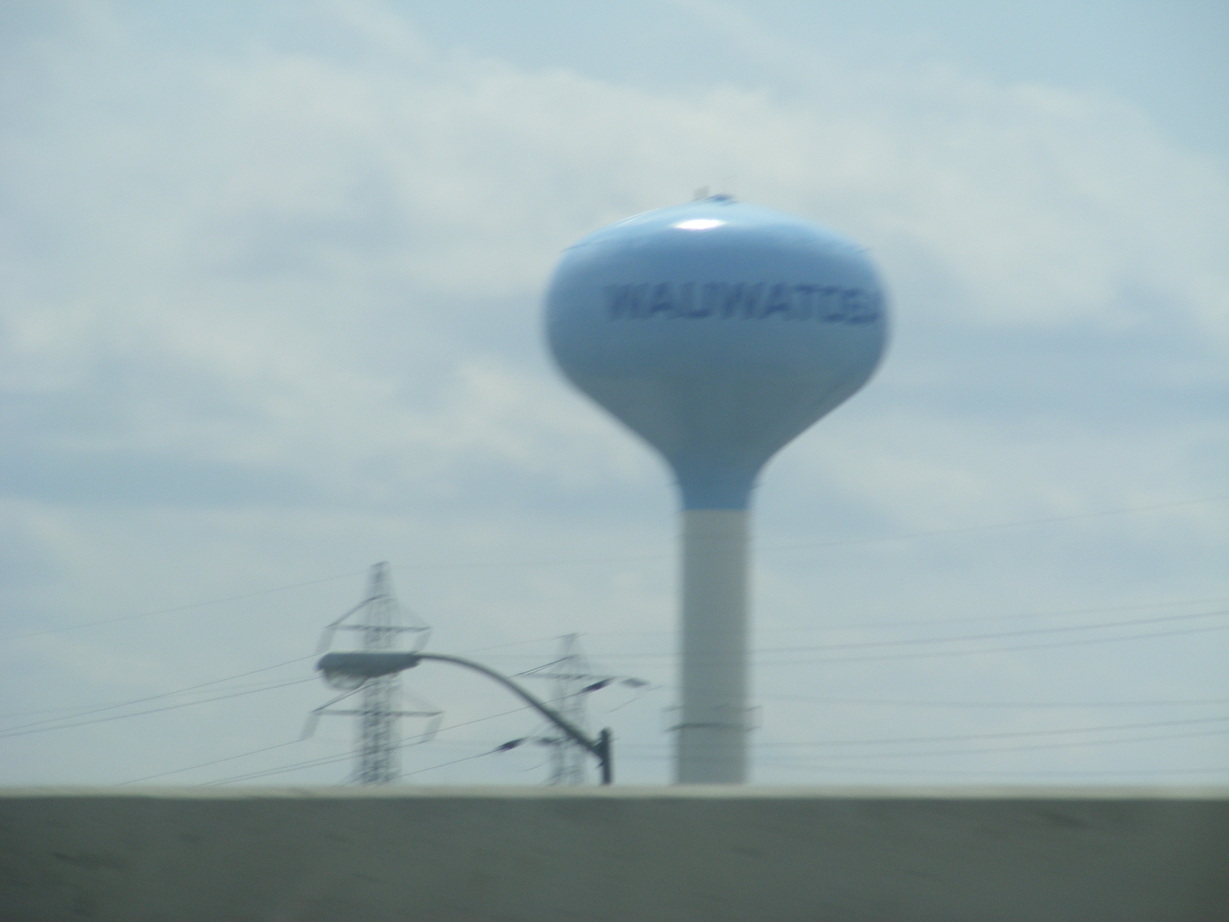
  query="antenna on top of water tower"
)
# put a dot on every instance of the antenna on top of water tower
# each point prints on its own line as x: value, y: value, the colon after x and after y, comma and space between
x: 718, y: 332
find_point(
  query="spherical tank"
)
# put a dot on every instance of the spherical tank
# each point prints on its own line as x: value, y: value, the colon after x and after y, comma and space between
x: 717, y: 331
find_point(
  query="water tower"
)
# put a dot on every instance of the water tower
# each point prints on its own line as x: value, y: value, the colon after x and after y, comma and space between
x: 717, y: 331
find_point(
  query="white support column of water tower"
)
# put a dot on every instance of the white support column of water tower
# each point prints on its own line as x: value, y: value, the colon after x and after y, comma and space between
x: 717, y: 331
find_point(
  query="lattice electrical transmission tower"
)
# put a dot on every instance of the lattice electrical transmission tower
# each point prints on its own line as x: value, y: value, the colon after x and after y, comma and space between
x: 572, y: 678
x: 377, y: 621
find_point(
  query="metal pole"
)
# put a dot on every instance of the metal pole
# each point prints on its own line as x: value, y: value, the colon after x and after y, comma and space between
x: 593, y: 746
x: 605, y: 757
x: 365, y: 666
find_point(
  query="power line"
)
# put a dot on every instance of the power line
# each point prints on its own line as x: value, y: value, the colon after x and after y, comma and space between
x: 178, y: 608
x: 869, y: 625
x: 842, y: 542
x: 1074, y: 744
x: 432, y: 768
x: 58, y: 721
x: 629, y: 748
x: 757, y: 652
x: 874, y: 625
x: 959, y: 638
x: 74, y: 712
x: 311, y: 763
x: 1007, y: 649
x: 995, y: 635
x: 169, y: 707
x: 659, y: 754
x: 1020, y: 523
x: 1061, y: 613
x: 515, y: 643
x: 1068, y: 705
x: 242, y: 755
x: 622, y: 558
x: 999, y: 773
x: 110, y: 707
x: 965, y: 737
x: 762, y: 747
x: 329, y: 760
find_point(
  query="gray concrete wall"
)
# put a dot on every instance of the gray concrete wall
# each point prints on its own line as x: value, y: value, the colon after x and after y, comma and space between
x: 629, y: 854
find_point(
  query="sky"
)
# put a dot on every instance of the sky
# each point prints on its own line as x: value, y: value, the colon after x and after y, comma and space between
x: 271, y: 281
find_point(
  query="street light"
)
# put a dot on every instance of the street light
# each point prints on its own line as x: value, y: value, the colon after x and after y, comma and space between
x: 350, y: 669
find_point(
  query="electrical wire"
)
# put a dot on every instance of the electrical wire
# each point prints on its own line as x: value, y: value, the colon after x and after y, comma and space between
x: 515, y: 643
x: 843, y: 542
x: 862, y: 625
x: 769, y: 749
x: 650, y: 658
x: 60, y: 722
x: 629, y: 749
x: 328, y: 760
x: 620, y: 558
x: 631, y: 753
x: 996, y: 635
x: 1020, y: 523
x: 1005, y: 705
x: 980, y: 619
x: 1105, y: 728
x: 999, y: 773
x: 211, y: 762
x: 981, y: 651
x: 110, y: 707
x: 1074, y: 744
x: 169, y: 707
x: 178, y: 608
x: 310, y: 763
x: 431, y: 768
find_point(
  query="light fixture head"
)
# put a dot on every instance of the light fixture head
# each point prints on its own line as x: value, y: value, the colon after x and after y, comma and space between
x: 348, y: 670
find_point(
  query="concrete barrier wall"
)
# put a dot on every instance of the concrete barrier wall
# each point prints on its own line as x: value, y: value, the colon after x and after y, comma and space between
x: 624, y: 854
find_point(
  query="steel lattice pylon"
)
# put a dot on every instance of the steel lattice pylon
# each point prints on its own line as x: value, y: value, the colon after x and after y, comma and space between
x: 377, y: 739
x: 376, y: 619
x: 570, y: 674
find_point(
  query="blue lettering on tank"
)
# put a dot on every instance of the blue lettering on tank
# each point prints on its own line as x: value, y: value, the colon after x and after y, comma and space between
x: 740, y: 297
x: 663, y: 299
x: 691, y: 300
x: 624, y: 301
x: 778, y: 301
x: 830, y: 309
x: 805, y: 301
x: 690, y: 306
x: 854, y: 301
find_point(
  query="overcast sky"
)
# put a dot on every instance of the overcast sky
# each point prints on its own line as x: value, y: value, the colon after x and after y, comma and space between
x: 270, y: 312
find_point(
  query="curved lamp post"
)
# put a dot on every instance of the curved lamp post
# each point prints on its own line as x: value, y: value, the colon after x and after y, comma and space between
x: 350, y: 669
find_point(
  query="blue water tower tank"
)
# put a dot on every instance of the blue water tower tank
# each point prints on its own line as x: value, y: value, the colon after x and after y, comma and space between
x: 717, y: 331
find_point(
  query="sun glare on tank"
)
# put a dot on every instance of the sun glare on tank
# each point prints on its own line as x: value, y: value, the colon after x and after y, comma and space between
x: 699, y: 224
